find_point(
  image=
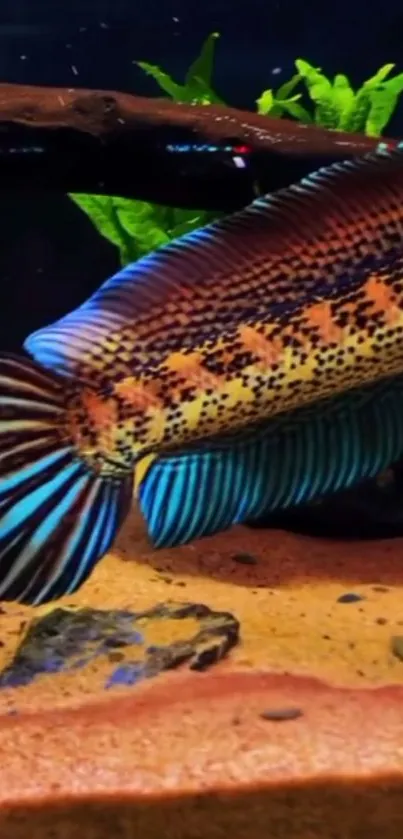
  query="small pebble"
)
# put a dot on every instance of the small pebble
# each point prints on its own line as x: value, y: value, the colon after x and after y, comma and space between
x: 115, y: 656
x: 350, y: 597
x: 244, y: 559
x: 281, y: 714
x: 396, y: 645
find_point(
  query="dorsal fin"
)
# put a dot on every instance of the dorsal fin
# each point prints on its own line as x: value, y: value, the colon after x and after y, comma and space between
x: 343, y: 218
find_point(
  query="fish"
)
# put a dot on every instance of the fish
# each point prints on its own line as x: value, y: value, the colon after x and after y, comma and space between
x: 253, y: 364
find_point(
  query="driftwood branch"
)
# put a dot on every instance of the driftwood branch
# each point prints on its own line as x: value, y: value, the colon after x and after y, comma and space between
x: 114, y: 143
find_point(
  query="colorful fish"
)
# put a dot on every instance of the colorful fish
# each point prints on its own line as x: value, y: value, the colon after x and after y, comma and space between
x: 254, y: 364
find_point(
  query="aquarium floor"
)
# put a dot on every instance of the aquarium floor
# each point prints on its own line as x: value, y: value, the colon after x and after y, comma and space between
x: 298, y: 733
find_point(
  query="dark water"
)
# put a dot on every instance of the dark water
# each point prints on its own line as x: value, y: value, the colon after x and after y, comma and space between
x: 51, y: 256
x: 41, y: 40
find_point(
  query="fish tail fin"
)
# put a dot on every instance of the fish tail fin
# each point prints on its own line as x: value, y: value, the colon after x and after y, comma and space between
x: 57, y: 515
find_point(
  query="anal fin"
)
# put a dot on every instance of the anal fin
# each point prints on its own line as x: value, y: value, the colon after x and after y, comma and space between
x: 288, y: 461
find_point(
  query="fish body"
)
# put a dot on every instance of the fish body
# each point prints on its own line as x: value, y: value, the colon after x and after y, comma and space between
x: 184, y: 370
x: 243, y: 373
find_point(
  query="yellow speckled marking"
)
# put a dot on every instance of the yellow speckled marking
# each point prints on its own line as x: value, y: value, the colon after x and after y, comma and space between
x: 262, y: 367
x: 320, y: 349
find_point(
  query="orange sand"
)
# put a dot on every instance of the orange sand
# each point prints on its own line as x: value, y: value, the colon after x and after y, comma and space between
x: 79, y: 758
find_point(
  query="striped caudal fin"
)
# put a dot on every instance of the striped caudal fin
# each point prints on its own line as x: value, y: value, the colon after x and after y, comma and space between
x: 57, y: 517
x: 288, y: 461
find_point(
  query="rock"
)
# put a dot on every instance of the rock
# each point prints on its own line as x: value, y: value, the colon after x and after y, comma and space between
x: 66, y: 640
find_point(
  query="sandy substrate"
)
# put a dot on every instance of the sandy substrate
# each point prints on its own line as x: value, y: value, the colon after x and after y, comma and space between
x: 297, y: 733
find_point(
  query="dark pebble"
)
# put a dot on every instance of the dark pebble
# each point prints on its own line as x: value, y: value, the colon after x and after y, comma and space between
x: 244, y: 559
x: 350, y: 597
x: 281, y: 714
x: 114, y: 657
x: 396, y: 645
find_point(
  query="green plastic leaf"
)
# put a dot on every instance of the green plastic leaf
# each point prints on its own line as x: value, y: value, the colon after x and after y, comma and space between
x: 343, y: 94
x: 358, y: 117
x: 202, y: 67
x: 343, y: 100
x: 102, y: 212
x: 143, y: 222
x: 265, y: 102
x: 394, y: 85
x: 379, y: 77
x: 383, y: 102
x: 277, y: 110
x: 294, y: 109
x: 276, y: 103
x: 287, y: 88
x: 376, y: 102
x: 138, y: 227
x: 380, y: 112
x: 326, y: 113
x: 165, y: 82
x: 321, y: 92
x: 338, y: 106
x: 200, y: 94
x: 270, y: 103
x: 313, y: 76
x: 197, y: 89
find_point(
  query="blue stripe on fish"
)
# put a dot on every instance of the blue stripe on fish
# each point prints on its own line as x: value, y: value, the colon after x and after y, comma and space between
x: 297, y: 458
x: 57, y: 516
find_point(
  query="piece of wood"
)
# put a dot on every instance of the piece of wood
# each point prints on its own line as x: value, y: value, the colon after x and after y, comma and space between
x: 105, y: 142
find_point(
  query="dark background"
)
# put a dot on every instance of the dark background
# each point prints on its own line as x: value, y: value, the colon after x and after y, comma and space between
x: 51, y: 257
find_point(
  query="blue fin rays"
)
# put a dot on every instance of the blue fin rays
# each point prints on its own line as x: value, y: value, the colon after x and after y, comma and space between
x: 57, y: 517
x: 293, y: 459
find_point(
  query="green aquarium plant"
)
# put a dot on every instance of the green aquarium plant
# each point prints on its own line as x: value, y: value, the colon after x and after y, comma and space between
x: 138, y: 227
x: 196, y: 89
x: 337, y: 105
x: 282, y: 103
